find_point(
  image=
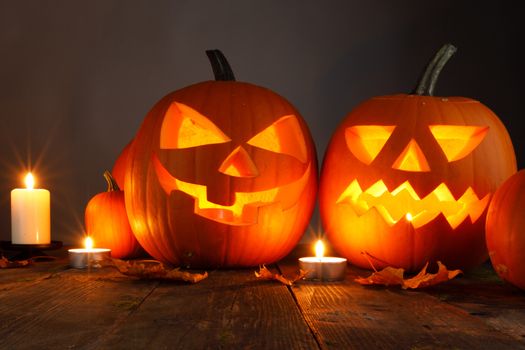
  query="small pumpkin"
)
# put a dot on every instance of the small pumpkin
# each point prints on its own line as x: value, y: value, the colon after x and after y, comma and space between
x: 107, y: 222
x: 407, y: 178
x: 221, y: 174
x: 505, y: 230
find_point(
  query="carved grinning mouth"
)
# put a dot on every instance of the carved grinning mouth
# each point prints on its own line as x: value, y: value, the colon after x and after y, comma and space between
x: 245, y: 209
x: 404, y: 202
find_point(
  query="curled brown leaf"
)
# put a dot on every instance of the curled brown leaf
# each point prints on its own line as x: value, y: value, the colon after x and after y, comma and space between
x: 265, y: 274
x: 391, y: 276
x: 7, y: 264
x: 152, y: 269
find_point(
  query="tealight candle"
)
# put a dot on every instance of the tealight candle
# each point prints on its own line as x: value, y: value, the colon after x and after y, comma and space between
x: 30, y: 214
x: 80, y: 258
x: 323, y: 268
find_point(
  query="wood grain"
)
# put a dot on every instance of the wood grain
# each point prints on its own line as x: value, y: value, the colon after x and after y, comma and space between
x: 229, y: 310
x: 350, y: 316
x: 482, y: 294
x: 69, y: 309
x: 49, y: 305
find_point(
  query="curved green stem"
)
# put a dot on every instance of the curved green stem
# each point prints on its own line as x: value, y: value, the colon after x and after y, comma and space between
x: 428, y: 80
x: 112, y: 184
x: 219, y: 64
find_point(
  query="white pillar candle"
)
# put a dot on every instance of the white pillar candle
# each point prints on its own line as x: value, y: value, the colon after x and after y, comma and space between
x: 30, y: 214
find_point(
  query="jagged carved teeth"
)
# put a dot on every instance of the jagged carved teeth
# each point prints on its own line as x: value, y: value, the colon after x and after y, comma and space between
x: 404, y: 202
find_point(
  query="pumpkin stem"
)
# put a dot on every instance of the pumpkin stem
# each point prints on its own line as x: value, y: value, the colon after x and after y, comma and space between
x: 219, y: 64
x: 112, y: 184
x: 428, y: 80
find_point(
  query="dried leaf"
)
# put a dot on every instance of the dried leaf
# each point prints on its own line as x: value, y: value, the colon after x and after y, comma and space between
x: 425, y: 279
x: 152, y: 269
x: 265, y: 274
x: 6, y: 264
x: 391, y: 276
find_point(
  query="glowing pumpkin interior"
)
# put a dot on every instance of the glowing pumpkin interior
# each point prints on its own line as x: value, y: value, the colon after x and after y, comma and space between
x: 366, y: 142
x: 184, y: 127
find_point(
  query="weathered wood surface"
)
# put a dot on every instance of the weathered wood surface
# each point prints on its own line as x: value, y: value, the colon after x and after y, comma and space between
x: 50, y: 306
x: 474, y: 311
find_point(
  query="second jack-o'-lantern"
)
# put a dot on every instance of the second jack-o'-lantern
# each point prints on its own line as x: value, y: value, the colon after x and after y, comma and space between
x: 221, y: 174
x: 407, y: 178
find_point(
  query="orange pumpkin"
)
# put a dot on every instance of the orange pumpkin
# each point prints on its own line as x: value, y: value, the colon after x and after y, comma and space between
x: 505, y: 230
x: 107, y: 222
x: 407, y: 178
x: 221, y: 174
x: 119, y: 168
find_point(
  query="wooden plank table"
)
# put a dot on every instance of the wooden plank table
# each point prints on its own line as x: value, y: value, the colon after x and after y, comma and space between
x: 50, y: 305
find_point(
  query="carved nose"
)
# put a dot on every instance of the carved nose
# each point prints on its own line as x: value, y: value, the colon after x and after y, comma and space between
x: 411, y: 159
x: 239, y: 164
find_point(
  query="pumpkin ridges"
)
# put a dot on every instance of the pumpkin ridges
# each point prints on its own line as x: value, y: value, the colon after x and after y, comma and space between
x: 132, y: 201
x: 498, y: 141
x: 401, y: 245
x: 199, y: 242
x: 479, y: 170
x: 505, y: 230
x: 119, y: 168
x: 197, y: 233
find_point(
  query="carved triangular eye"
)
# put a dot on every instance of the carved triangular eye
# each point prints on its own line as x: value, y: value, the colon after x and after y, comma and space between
x: 366, y: 141
x: 283, y: 136
x: 184, y: 127
x: 458, y: 141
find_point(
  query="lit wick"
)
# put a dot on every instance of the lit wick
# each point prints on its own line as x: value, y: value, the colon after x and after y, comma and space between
x: 29, y: 181
x: 319, y: 249
x: 88, y: 243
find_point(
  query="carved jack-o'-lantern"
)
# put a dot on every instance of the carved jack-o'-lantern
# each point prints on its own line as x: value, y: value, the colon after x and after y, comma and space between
x: 221, y: 173
x: 407, y: 179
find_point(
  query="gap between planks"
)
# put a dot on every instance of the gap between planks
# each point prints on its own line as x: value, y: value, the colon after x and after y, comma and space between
x: 313, y: 331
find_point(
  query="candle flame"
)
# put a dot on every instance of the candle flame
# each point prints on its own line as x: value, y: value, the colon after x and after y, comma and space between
x: 30, y: 181
x: 319, y: 249
x: 409, y: 217
x: 88, y: 243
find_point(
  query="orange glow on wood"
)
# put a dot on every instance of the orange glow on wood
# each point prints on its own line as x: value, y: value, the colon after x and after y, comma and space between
x: 411, y: 159
x: 366, y: 141
x: 458, y: 141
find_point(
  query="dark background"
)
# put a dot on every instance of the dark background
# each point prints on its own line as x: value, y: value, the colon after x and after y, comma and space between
x: 77, y: 77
